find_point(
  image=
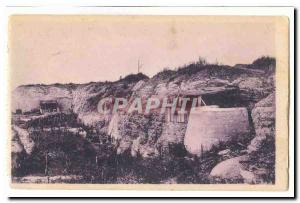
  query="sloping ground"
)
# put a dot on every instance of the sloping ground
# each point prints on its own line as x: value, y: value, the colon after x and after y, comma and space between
x: 253, y: 86
x: 144, y: 135
x: 210, y: 78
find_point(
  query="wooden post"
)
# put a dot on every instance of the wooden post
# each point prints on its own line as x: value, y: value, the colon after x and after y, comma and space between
x: 46, y: 163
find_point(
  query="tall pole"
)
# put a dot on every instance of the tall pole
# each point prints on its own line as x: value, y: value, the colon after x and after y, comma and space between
x: 139, y: 65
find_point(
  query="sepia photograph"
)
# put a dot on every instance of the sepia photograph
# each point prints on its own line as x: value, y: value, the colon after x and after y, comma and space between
x: 137, y: 100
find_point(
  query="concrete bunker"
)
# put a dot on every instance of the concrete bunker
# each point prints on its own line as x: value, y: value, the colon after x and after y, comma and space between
x: 49, y: 106
x: 179, y: 116
x: 224, y: 98
x: 210, y: 125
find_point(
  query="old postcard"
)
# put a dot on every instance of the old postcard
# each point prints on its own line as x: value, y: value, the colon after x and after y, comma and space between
x: 149, y: 102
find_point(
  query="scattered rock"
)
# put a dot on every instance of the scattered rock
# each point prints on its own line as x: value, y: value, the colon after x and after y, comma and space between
x: 234, y: 170
x: 145, y: 150
x: 229, y: 169
x: 170, y: 181
x: 123, y: 146
x: 224, y: 152
x: 256, y: 143
x: 249, y: 177
x: 148, y: 151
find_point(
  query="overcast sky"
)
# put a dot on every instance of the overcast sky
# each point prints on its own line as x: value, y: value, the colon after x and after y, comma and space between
x: 48, y: 49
